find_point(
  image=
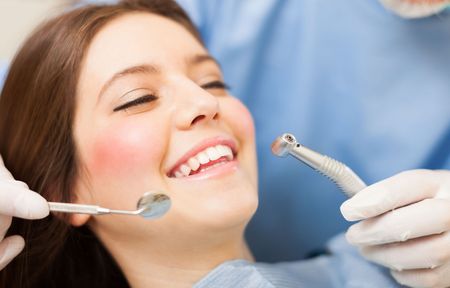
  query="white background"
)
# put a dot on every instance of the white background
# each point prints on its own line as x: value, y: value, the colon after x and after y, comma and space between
x: 18, y: 18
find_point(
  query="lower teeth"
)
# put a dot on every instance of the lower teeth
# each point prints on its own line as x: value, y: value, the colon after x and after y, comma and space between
x: 212, y: 166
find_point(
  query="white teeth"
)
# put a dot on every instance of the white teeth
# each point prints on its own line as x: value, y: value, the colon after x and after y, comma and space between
x: 202, y: 158
x: 213, y: 154
x: 221, y: 149
x: 212, y: 166
x: 228, y: 152
x: 210, y: 154
x: 185, y: 170
x: 193, y: 163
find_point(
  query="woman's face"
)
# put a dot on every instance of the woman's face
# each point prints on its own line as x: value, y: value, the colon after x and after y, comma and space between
x: 152, y: 114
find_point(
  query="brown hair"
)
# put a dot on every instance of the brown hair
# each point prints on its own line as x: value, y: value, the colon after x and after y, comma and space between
x: 37, y: 105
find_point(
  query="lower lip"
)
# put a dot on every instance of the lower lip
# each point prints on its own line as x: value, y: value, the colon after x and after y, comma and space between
x: 215, y: 172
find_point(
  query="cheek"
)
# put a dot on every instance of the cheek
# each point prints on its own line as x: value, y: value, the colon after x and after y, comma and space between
x: 240, y: 118
x: 126, y: 148
x: 241, y: 122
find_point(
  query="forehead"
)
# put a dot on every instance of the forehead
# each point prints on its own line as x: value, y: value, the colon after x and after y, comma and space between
x: 137, y: 38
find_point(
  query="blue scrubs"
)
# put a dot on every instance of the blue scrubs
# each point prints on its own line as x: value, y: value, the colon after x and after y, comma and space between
x: 350, y: 80
x: 342, y: 267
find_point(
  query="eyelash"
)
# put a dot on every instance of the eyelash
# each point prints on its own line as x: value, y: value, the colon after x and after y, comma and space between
x: 149, y: 98
x: 141, y: 100
x: 216, y: 85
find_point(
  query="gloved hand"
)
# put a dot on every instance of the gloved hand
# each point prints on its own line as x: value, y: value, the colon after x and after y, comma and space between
x: 16, y: 200
x: 406, y: 226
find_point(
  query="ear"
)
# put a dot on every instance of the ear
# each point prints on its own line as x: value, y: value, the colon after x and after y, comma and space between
x: 78, y: 220
x: 81, y: 195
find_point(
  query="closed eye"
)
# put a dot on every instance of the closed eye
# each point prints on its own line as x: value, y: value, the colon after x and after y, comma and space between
x: 216, y: 85
x: 136, y: 102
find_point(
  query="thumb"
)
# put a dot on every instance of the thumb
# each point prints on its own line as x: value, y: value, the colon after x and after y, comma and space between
x: 9, y: 248
x: 18, y: 201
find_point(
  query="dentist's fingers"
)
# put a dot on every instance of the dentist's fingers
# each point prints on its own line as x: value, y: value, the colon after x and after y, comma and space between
x: 427, y: 217
x: 16, y: 200
x: 425, y: 252
x: 397, y: 191
x: 5, y: 222
x: 10, y: 248
x: 424, y: 278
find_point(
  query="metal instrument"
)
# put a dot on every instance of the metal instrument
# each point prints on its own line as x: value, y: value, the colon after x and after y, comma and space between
x: 150, y: 206
x: 336, y: 171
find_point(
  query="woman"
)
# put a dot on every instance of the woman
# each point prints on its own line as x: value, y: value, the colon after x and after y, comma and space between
x: 108, y: 102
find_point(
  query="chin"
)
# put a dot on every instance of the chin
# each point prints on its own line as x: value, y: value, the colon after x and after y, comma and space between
x: 233, y: 209
x: 234, y: 215
x: 415, y: 9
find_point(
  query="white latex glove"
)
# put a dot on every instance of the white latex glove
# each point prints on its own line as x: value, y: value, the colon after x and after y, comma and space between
x: 415, y: 8
x: 406, y: 226
x: 16, y: 200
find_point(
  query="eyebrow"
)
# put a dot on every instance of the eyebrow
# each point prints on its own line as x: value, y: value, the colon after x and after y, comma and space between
x: 139, y: 69
x: 152, y: 69
x: 200, y: 58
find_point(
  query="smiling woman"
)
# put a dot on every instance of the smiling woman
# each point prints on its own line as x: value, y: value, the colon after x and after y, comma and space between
x: 160, y: 107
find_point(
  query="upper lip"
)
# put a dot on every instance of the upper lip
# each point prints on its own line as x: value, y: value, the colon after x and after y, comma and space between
x: 210, y: 142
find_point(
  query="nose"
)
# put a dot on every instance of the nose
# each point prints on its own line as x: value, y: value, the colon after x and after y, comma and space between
x: 194, y: 107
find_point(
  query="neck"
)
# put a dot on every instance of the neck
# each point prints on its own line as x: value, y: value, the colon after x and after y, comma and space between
x: 179, y: 262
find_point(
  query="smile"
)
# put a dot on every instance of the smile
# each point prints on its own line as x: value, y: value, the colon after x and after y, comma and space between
x: 206, y: 156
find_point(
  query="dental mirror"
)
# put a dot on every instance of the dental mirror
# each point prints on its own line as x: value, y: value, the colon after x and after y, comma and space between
x: 150, y: 206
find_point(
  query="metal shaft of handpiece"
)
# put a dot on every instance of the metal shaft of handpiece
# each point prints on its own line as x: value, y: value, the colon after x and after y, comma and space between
x: 86, y: 209
x: 339, y: 173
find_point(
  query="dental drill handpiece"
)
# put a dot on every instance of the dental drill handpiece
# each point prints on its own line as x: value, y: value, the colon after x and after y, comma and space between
x: 336, y: 171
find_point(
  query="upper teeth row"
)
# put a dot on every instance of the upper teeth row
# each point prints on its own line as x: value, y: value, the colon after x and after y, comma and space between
x: 205, y: 156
